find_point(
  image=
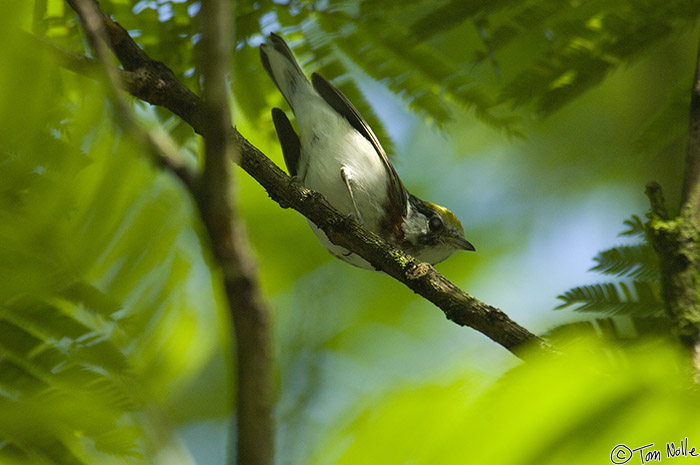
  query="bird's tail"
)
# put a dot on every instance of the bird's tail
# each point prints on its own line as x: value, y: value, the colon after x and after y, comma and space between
x: 278, y: 61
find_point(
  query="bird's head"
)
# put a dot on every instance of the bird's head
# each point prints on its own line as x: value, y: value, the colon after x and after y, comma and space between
x: 432, y: 233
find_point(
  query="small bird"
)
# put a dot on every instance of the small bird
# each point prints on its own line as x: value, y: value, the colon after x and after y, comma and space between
x: 337, y: 154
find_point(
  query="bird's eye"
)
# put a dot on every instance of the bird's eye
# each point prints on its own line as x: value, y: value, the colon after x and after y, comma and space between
x: 435, y: 223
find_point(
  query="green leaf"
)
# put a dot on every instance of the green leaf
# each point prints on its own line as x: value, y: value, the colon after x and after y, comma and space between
x: 578, y: 407
x: 635, y: 227
x: 618, y: 331
x: 454, y: 12
x: 248, y: 83
x: 668, y: 129
x: 642, y: 299
x: 94, y: 271
x: 587, y: 41
x: 633, y: 261
x: 83, y: 293
x: 413, y: 70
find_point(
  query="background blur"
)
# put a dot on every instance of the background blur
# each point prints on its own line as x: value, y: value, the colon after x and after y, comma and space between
x: 537, y: 123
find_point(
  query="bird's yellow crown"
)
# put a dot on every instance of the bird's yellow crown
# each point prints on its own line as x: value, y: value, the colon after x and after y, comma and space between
x: 446, y: 214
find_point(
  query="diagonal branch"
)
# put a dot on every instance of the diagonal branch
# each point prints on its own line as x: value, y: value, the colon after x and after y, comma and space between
x: 160, y: 146
x: 161, y: 87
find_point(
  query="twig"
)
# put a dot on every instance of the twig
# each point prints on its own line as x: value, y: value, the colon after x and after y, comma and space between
x: 250, y: 316
x: 162, y: 148
x: 656, y: 198
x: 94, y: 27
x: 162, y: 88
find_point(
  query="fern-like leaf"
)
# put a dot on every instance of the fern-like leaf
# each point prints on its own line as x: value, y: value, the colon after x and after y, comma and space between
x: 412, y: 69
x: 604, y: 328
x: 611, y: 329
x: 368, y: 48
x: 638, y: 262
x: 83, y: 256
x: 635, y: 227
x: 453, y: 13
x: 669, y: 128
x: 640, y: 299
x: 585, y: 45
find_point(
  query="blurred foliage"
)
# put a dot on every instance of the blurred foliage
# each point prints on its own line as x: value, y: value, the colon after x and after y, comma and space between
x: 110, y: 333
x: 485, y: 56
x: 99, y: 319
x: 579, y: 408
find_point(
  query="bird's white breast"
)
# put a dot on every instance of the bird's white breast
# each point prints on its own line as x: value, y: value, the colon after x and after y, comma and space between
x: 329, y: 143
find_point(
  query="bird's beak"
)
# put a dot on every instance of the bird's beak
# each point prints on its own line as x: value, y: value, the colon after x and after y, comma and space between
x: 461, y: 243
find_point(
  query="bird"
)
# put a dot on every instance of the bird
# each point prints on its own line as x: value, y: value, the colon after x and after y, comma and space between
x: 336, y: 154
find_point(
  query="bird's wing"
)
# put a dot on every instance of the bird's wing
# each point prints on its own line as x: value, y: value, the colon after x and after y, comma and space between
x: 289, y: 140
x: 342, y: 105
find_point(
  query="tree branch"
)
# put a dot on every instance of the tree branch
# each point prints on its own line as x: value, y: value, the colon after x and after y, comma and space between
x: 677, y: 240
x: 162, y: 149
x: 251, y: 321
x: 691, y: 180
x: 161, y: 87
x: 250, y: 316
